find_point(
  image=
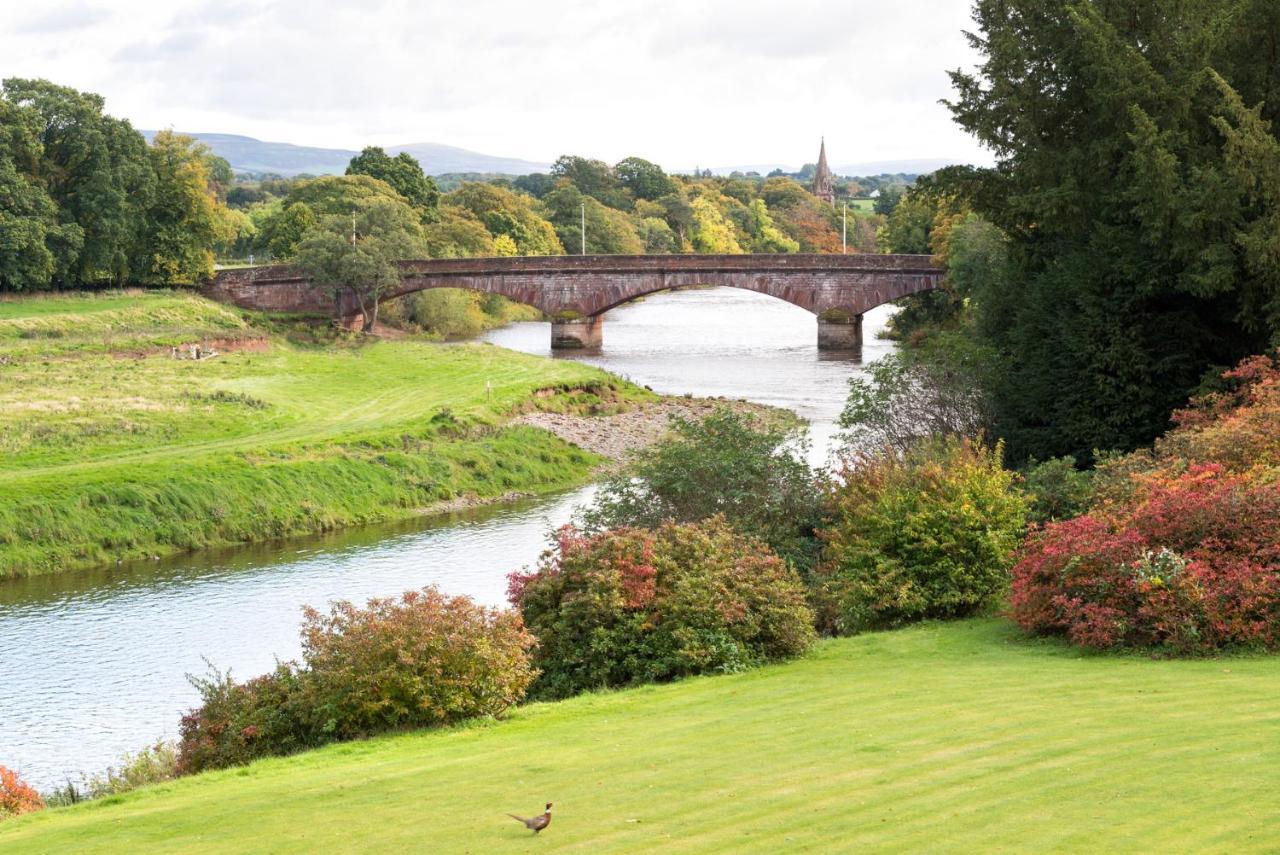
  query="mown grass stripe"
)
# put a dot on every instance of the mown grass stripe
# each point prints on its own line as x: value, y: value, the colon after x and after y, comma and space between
x: 979, y: 741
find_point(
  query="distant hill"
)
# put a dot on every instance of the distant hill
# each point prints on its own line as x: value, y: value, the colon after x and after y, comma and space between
x: 246, y: 154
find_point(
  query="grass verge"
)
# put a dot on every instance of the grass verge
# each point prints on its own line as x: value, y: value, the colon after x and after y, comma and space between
x: 962, y: 737
x: 110, y: 454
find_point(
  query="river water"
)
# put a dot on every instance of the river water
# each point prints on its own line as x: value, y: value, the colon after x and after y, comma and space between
x: 94, y: 664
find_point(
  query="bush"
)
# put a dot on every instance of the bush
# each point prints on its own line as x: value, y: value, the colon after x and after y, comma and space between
x: 151, y: 765
x: 926, y: 534
x: 17, y: 797
x: 418, y: 660
x: 633, y: 606
x: 237, y: 723
x: 1056, y: 489
x: 751, y: 472
x: 1191, y: 564
x: 916, y: 395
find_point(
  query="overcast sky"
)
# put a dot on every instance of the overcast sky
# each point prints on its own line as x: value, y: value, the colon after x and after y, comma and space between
x: 681, y: 82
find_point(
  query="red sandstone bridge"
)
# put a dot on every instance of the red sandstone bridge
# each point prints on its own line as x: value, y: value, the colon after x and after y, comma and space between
x: 576, y: 290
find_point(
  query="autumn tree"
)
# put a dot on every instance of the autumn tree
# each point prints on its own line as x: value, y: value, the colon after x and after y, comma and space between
x: 184, y: 221
x: 503, y: 212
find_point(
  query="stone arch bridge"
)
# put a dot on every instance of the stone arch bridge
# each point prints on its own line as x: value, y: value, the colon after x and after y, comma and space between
x: 576, y: 290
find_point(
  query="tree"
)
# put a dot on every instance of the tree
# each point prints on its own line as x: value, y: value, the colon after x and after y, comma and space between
x: 503, y: 212
x: 286, y: 229
x: 358, y: 254
x: 95, y: 169
x: 656, y: 235
x: 888, y: 200
x: 221, y: 178
x: 34, y: 245
x: 595, y: 178
x: 1126, y: 274
x: 537, y: 184
x: 458, y: 233
x: 645, y: 180
x: 754, y: 474
x: 712, y: 232
x: 916, y: 395
x: 405, y: 176
x: 184, y: 221
x: 609, y: 232
x: 765, y: 236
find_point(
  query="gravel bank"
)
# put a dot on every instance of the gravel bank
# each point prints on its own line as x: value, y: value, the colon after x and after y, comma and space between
x: 617, y: 435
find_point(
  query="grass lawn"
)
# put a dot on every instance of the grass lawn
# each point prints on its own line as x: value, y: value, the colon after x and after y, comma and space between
x: 111, y: 449
x: 963, y: 737
x: 863, y: 206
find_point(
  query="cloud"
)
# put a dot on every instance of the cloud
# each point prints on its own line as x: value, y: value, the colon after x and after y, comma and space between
x: 64, y: 18
x: 681, y: 82
x: 170, y: 49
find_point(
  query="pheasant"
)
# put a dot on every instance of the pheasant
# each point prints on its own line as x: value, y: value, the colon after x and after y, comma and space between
x: 536, y: 823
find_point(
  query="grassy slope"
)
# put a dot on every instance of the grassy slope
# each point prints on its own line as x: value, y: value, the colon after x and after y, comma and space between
x: 103, y: 457
x: 961, y: 737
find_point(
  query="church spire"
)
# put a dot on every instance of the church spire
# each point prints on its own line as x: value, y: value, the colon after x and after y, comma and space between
x: 822, y: 177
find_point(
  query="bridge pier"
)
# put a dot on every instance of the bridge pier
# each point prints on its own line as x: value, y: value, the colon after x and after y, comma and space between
x: 840, y: 332
x: 577, y: 333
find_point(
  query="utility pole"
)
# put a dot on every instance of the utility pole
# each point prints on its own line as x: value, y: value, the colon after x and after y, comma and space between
x: 584, y: 228
x: 353, y: 229
x: 844, y: 229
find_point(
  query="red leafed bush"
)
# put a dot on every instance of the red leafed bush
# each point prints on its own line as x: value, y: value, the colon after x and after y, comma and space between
x: 17, y: 797
x: 634, y: 605
x: 1190, y: 564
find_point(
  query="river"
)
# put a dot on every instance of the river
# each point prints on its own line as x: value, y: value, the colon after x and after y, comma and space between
x: 94, y: 664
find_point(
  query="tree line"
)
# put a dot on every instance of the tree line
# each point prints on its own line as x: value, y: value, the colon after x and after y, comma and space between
x: 85, y: 200
x: 1125, y: 248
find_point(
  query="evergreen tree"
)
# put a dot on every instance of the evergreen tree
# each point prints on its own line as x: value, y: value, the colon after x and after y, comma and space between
x: 1128, y: 277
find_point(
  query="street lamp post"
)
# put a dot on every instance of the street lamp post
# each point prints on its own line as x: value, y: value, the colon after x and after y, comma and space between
x: 844, y: 229
x: 584, y: 228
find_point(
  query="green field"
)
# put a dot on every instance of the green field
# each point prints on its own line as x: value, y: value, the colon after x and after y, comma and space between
x: 963, y: 737
x: 110, y: 449
x: 862, y: 206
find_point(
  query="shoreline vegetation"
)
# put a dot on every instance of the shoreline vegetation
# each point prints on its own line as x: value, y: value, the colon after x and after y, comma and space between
x: 117, y: 446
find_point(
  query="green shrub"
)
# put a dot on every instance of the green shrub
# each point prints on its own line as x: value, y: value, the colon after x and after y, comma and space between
x: 448, y: 312
x: 1056, y: 489
x: 634, y: 605
x: 926, y: 534
x: 751, y: 472
x: 417, y: 660
x: 237, y: 723
x: 151, y: 765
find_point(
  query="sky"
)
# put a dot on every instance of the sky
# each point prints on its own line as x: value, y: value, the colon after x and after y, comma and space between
x: 680, y: 82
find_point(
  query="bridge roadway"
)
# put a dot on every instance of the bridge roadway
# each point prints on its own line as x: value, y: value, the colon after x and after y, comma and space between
x: 576, y: 290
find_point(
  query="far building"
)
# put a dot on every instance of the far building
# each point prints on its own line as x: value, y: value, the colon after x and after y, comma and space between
x: 823, y: 187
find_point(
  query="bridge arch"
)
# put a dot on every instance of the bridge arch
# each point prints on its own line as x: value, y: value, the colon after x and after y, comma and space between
x: 576, y: 291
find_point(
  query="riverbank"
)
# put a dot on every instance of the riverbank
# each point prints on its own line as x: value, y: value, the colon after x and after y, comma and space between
x: 974, y: 735
x: 116, y: 445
